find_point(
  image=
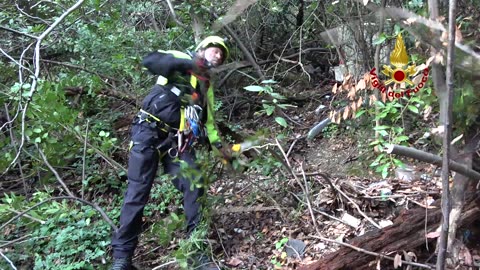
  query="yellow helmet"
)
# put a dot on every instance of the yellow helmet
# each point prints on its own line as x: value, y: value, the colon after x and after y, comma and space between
x: 215, y: 41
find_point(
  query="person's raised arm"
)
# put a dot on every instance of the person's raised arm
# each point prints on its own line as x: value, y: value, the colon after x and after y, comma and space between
x: 165, y: 64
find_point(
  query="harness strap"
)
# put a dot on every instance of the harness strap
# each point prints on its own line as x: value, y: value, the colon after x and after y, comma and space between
x: 182, y: 120
x: 149, y: 118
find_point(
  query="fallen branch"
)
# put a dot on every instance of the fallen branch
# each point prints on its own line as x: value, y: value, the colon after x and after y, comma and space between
x: 14, y: 143
x: 379, y: 255
x: 59, y: 179
x: 356, y: 206
x: 27, y: 216
x: 8, y: 260
x: 286, y: 163
x: 165, y: 264
x: 20, y: 239
x: 432, y: 159
x: 18, y: 32
x: 240, y: 209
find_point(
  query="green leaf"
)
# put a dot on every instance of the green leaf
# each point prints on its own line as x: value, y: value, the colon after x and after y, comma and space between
x: 413, y: 108
x: 380, y: 104
x: 281, y: 121
x: 277, y: 95
x: 254, y: 88
x: 398, y: 163
x: 360, y: 113
x: 269, y: 109
x: 385, y: 171
x: 374, y: 143
x: 380, y: 39
x: 402, y: 138
x: 37, y: 130
x: 396, y: 29
x: 269, y: 81
x: 102, y: 133
x: 383, y: 132
x: 175, y: 217
x: 383, y: 127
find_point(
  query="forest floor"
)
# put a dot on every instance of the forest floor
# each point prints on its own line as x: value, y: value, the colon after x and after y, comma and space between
x: 258, y: 212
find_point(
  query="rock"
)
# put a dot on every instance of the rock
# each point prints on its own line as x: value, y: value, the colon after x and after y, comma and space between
x: 407, y: 173
x: 294, y: 248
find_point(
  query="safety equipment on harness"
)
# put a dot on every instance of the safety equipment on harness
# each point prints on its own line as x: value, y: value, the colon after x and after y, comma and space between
x: 144, y: 116
x: 212, y: 41
x: 192, y: 117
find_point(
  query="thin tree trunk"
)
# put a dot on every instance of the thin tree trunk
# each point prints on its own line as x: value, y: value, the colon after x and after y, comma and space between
x: 377, y: 67
x: 442, y: 246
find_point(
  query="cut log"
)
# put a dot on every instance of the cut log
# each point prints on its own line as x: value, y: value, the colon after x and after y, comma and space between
x: 407, y: 233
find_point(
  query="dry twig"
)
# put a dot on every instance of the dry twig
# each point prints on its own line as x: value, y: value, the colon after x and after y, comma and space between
x: 304, y: 189
x: 59, y: 179
x: 163, y: 265
x: 8, y: 260
x: 356, y: 206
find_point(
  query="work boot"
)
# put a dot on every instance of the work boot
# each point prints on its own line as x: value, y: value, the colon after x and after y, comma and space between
x: 122, y: 264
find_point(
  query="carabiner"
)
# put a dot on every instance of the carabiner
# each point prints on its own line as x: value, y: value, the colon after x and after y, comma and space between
x: 170, y: 152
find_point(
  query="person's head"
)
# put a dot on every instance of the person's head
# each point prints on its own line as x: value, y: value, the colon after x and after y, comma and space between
x: 213, y: 50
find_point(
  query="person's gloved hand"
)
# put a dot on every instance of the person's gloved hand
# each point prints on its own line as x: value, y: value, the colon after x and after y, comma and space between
x: 225, y: 152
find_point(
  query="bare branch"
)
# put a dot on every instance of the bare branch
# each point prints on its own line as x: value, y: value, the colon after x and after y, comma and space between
x: 20, y: 239
x: 304, y: 188
x: 28, y: 216
x: 8, y: 260
x: 59, y: 179
x: 244, y: 49
x: 163, y: 265
x: 432, y: 159
x: 447, y: 137
x: 80, y: 68
x: 14, y: 143
x: 170, y: 6
x: 33, y: 87
x: 356, y: 206
x: 15, y: 61
x: 84, y: 158
x: 30, y: 16
x: 18, y: 32
x: 46, y: 1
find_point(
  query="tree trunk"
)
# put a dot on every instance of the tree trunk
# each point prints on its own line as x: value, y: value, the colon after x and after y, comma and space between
x: 407, y: 233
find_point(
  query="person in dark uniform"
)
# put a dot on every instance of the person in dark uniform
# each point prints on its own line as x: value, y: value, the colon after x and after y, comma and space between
x: 175, y: 116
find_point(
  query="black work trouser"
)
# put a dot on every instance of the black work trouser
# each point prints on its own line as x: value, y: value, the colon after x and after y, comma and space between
x: 142, y: 168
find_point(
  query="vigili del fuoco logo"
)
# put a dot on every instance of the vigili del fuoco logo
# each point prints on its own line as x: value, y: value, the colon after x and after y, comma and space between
x: 397, y: 73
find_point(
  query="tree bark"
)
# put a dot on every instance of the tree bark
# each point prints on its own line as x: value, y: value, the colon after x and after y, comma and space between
x: 407, y: 233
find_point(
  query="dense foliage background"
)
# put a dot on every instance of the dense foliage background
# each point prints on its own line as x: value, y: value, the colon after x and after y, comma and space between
x: 70, y: 124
